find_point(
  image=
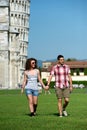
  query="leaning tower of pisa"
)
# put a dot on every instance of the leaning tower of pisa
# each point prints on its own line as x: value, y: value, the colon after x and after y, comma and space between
x: 14, y: 35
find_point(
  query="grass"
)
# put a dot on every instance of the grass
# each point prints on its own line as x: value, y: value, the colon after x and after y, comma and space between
x: 14, y: 112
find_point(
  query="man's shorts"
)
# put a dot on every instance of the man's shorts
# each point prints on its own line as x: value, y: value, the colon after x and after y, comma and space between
x: 62, y: 93
x: 31, y: 92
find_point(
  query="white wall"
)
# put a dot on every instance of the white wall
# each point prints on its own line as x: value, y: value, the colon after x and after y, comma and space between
x: 79, y: 78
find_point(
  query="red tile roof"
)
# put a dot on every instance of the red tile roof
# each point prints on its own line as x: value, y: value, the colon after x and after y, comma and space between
x: 72, y: 64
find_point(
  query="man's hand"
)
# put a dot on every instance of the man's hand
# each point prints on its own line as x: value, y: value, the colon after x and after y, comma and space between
x: 46, y: 87
x: 71, y: 88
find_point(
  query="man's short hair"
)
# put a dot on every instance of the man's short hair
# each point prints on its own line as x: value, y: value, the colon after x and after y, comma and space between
x: 60, y: 56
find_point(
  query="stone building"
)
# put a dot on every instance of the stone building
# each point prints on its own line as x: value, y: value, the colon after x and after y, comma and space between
x: 14, y: 33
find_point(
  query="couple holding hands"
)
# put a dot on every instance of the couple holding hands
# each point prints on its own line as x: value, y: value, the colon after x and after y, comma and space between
x: 63, y: 84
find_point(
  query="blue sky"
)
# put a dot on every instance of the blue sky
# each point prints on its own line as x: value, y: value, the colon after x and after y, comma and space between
x: 58, y: 27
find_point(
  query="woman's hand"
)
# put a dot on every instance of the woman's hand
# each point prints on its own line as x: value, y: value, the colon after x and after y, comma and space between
x: 22, y: 90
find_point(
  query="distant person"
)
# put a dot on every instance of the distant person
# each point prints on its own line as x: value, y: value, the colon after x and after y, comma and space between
x: 47, y: 92
x: 63, y: 84
x: 31, y: 76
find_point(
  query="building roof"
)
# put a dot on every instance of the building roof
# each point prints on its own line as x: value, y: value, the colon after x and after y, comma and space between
x: 77, y: 64
x: 72, y: 65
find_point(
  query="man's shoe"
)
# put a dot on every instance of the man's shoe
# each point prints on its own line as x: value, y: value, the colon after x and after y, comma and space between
x: 65, y: 113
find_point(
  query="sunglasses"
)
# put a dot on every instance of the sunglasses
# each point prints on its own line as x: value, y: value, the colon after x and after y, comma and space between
x: 33, y: 63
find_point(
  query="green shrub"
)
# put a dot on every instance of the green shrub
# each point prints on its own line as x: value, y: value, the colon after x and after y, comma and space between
x: 80, y: 82
x: 85, y: 71
x: 52, y: 83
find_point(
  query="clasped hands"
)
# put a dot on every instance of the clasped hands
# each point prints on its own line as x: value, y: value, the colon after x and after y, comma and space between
x: 46, y: 87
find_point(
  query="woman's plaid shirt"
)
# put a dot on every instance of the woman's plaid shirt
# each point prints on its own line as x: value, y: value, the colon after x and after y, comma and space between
x: 61, y: 73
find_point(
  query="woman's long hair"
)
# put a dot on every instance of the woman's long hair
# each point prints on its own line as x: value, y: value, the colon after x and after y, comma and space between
x: 28, y: 63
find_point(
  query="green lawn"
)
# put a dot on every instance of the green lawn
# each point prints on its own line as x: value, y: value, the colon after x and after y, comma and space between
x: 14, y: 112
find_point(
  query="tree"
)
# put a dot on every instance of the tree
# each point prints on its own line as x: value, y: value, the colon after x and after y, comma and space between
x: 71, y: 59
x: 85, y: 71
x: 77, y: 71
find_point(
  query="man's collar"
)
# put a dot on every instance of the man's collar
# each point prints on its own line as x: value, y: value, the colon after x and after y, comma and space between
x: 60, y: 65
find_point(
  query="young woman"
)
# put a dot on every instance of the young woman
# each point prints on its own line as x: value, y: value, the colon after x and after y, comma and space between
x: 31, y: 76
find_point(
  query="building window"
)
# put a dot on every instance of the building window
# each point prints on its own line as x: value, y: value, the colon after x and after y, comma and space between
x: 11, y: 38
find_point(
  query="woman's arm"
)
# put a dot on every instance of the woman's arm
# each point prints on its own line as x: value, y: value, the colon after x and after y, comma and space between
x: 24, y: 82
x: 40, y: 80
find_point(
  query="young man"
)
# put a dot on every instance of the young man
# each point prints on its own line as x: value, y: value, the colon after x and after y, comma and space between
x: 63, y: 83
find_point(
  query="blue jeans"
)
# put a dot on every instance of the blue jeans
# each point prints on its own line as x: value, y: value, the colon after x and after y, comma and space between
x: 31, y: 92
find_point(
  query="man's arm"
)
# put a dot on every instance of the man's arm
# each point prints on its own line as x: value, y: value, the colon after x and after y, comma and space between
x: 49, y: 80
x: 70, y: 81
